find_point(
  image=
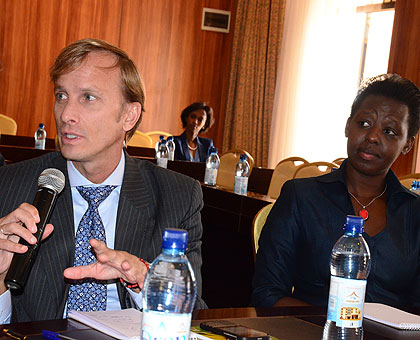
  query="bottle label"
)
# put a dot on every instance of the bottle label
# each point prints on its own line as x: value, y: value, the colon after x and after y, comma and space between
x: 241, y: 185
x: 165, y: 326
x: 40, y: 144
x: 162, y: 162
x: 171, y: 155
x: 345, y: 303
x: 210, y: 176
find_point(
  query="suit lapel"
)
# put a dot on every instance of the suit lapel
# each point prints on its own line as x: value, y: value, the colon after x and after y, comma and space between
x: 136, y: 211
x: 135, y: 217
x: 200, y: 150
x: 185, y: 150
x: 59, y: 248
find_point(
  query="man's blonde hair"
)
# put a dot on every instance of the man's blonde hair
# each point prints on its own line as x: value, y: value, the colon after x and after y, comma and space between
x: 132, y: 84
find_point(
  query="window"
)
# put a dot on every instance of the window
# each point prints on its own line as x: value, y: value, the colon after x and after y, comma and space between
x: 327, y: 47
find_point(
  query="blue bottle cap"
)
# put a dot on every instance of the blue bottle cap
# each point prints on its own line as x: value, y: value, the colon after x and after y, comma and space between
x: 41, y: 125
x: 243, y: 157
x: 355, y: 224
x: 170, y: 138
x: 174, y: 239
x: 161, y: 137
x: 213, y: 150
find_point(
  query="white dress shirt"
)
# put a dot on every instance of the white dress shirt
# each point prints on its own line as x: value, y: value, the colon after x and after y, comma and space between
x: 108, y: 212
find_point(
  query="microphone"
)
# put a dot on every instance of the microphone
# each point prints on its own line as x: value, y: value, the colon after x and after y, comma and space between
x: 50, y: 183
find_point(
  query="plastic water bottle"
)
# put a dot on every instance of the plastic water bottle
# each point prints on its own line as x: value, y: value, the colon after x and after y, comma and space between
x: 171, y: 147
x: 212, y: 165
x: 241, y: 176
x: 169, y: 291
x: 40, y: 137
x: 415, y: 187
x: 161, y: 138
x: 350, y: 266
x: 162, y: 154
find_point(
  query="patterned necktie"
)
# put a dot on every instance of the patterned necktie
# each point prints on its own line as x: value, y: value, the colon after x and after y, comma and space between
x: 89, y: 295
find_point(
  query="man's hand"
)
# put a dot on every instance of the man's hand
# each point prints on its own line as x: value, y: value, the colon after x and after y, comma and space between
x: 11, y: 230
x: 111, y: 264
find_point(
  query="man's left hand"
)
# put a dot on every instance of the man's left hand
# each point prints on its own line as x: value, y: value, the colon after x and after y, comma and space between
x: 111, y: 264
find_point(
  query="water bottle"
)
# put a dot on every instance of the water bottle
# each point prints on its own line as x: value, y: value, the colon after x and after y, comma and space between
x: 212, y: 165
x: 162, y: 154
x: 40, y: 137
x: 171, y: 148
x: 169, y: 291
x: 161, y: 138
x: 241, y: 176
x: 350, y: 266
x: 415, y: 187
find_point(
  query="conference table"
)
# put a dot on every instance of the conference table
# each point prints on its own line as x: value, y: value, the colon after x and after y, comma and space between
x: 284, y: 323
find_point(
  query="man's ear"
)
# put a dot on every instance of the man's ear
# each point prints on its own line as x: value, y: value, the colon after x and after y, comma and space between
x: 408, y: 145
x: 131, y: 115
x: 346, y: 130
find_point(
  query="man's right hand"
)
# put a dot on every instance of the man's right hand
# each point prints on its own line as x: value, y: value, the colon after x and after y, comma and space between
x: 11, y: 230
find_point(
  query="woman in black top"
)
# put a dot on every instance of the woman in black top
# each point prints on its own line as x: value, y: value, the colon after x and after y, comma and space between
x: 308, y: 217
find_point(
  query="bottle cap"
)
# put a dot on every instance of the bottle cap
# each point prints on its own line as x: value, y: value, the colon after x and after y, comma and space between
x: 355, y: 224
x: 174, y: 239
x: 243, y: 157
x: 41, y: 125
x: 213, y: 150
x: 170, y: 138
x: 161, y: 137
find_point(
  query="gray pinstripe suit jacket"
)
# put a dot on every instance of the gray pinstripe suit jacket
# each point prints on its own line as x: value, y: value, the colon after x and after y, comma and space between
x: 151, y: 199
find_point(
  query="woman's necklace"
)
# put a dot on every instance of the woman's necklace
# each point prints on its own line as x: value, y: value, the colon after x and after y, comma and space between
x: 191, y: 148
x: 363, y: 212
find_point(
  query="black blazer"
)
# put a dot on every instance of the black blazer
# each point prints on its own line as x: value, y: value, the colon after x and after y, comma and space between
x: 183, y: 154
x: 151, y: 199
x: 305, y: 223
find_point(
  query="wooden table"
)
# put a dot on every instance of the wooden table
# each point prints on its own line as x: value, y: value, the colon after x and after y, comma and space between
x: 285, y: 323
x: 228, y: 258
x: 18, y: 148
x: 12, y: 140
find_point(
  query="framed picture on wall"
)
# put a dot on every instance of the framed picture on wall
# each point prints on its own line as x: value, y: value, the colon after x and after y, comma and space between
x: 215, y: 20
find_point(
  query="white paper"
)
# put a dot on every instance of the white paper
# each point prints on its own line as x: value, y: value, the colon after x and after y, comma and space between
x: 122, y: 324
x: 391, y: 316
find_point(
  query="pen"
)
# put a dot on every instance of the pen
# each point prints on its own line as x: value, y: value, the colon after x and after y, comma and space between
x: 55, y: 336
x: 14, y: 335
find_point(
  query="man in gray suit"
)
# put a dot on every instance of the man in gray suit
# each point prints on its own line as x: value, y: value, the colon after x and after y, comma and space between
x: 99, y: 100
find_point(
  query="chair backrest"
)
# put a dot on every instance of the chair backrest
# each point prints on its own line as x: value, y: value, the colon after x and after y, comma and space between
x: 154, y: 135
x: 141, y: 139
x: 407, y: 180
x: 338, y: 161
x: 8, y: 125
x: 226, y: 173
x: 283, y: 171
x: 314, y: 169
x: 258, y: 224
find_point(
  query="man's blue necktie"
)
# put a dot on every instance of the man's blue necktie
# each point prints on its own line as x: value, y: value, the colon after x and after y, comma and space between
x: 89, y: 295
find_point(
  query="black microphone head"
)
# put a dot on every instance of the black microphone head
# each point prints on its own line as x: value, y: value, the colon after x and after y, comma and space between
x: 52, y: 179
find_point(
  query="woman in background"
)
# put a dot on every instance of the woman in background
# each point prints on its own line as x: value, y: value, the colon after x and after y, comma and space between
x: 196, y: 119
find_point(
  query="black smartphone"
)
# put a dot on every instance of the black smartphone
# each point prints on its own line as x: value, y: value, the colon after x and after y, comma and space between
x: 233, y: 331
